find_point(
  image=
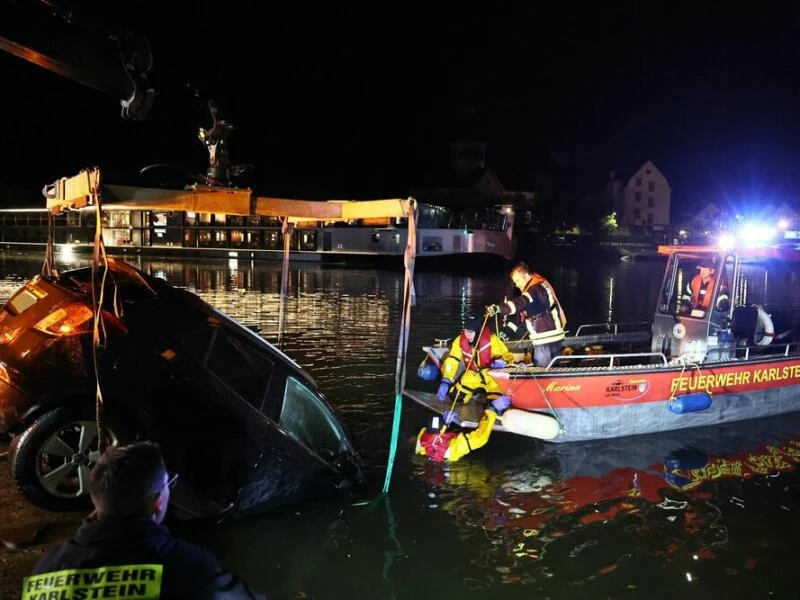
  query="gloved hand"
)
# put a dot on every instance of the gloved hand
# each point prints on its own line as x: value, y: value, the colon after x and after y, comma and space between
x: 498, y: 363
x: 500, y: 405
x: 442, y: 392
x: 449, y: 417
x: 492, y: 309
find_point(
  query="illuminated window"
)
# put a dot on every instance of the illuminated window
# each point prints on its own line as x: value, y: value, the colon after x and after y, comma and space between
x: 119, y: 218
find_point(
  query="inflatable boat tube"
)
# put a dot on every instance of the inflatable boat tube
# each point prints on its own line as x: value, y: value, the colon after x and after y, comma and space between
x: 532, y: 424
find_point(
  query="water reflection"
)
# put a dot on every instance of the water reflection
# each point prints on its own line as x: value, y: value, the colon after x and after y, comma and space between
x: 561, y: 516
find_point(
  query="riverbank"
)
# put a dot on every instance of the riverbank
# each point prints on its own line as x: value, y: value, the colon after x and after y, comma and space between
x: 25, y: 532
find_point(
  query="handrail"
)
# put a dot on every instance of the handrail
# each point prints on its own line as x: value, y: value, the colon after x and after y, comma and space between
x: 762, y: 351
x: 610, y: 357
x: 611, y: 327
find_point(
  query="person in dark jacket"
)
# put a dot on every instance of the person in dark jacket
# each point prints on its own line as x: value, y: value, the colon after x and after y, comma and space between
x: 122, y: 549
x: 536, y: 308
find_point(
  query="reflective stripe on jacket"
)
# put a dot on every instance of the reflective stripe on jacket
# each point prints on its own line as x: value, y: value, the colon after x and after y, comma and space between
x: 545, y: 319
x: 188, y: 570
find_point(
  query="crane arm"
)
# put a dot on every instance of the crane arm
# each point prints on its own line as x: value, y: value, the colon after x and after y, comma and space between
x: 57, y: 38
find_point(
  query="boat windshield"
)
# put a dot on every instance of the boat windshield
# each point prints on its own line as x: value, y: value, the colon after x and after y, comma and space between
x: 696, y: 285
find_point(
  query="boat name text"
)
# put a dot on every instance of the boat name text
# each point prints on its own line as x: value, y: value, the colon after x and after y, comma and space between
x: 712, y: 381
x: 555, y: 387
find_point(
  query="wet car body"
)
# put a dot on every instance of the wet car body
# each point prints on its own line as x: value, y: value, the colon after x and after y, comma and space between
x: 244, y: 425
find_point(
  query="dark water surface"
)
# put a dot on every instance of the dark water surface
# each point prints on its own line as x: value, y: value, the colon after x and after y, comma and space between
x: 700, y: 513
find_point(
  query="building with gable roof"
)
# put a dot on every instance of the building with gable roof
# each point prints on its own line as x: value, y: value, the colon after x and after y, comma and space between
x: 643, y: 203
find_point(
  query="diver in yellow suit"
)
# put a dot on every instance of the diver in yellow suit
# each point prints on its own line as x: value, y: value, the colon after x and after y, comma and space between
x: 440, y: 444
x: 472, y: 354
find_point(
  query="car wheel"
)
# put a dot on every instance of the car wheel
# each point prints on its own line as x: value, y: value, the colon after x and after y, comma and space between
x: 52, y: 458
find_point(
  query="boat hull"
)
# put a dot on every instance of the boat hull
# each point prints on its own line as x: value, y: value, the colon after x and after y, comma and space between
x: 599, y: 403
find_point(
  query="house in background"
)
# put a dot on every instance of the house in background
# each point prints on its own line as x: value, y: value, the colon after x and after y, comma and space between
x: 643, y: 203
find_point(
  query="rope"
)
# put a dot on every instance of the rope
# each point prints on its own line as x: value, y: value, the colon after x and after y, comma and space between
x: 547, y: 401
x: 286, y: 231
x: 48, y: 267
x: 696, y: 366
x: 99, y: 333
x: 389, y: 556
x: 409, y: 299
x: 472, y: 358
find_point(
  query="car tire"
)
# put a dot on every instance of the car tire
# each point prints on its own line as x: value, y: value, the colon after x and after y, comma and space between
x: 52, y: 457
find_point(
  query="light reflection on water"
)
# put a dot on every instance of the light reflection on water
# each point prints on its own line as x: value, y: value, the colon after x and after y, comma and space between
x: 706, y: 512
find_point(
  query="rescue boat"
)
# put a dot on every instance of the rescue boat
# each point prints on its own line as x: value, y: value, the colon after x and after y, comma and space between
x: 691, y: 366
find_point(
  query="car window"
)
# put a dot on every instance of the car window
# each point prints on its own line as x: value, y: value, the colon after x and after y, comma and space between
x: 308, y: 420
x: 234, y: 360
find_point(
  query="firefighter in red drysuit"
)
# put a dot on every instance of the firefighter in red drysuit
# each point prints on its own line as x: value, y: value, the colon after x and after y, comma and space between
x: 438, y: 443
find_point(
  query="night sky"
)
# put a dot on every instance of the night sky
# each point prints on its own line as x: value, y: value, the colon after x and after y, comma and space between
x: 360, y: 100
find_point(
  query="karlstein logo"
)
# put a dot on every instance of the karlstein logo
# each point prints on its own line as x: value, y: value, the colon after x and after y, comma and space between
x: 632, y: 389
x: 553, y: 386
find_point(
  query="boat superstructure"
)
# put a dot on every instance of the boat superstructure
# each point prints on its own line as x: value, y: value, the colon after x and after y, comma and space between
x: 441, y: 233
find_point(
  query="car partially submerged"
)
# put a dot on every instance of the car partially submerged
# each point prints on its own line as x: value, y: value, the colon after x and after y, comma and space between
x: 243, y: 424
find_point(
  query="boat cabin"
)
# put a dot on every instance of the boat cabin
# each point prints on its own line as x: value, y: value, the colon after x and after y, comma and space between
x: 702, y: 313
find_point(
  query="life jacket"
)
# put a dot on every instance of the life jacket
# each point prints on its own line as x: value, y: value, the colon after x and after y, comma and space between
x: 482, y: 356
x: 554, y: 310
x: 702, y: 300
x: 434, y: 445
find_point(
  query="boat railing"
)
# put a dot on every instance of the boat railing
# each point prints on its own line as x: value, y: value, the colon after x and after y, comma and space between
x: 595, y: 328
x: 610, y: 360
x: 752, y: 351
